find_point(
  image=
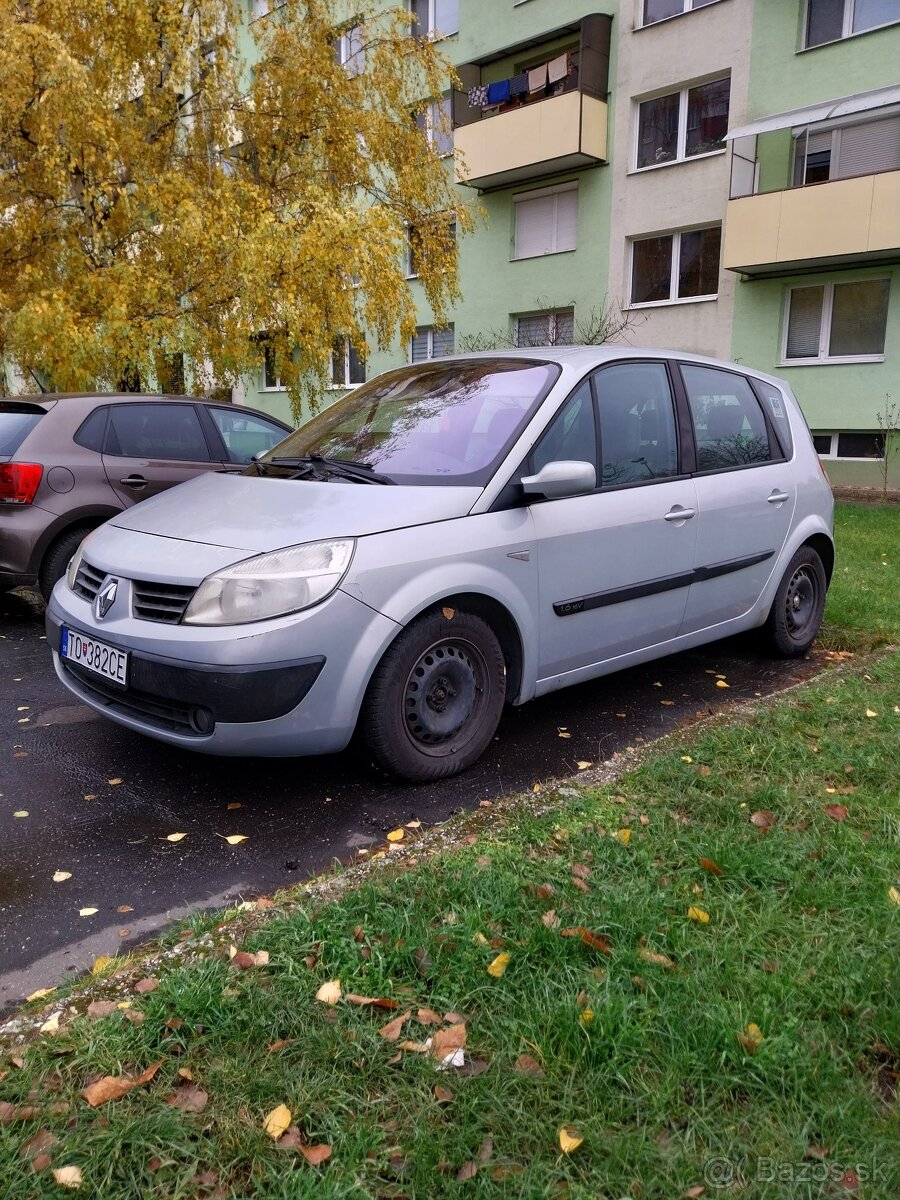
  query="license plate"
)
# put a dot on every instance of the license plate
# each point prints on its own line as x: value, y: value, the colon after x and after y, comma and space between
x: 94, y: 656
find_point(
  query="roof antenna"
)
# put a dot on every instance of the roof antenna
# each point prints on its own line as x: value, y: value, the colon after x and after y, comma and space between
x: 37, y: 381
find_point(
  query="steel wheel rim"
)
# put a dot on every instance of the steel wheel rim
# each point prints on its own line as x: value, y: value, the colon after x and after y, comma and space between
x: 444, y: 695
x: 800, y: 601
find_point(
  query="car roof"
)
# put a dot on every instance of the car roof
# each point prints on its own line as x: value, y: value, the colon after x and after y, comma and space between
x: 49, y: 399
x: 582, y: 358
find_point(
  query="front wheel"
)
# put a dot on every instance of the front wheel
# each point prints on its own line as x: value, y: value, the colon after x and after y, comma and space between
x: 796, y: 612
x: 436, y: 697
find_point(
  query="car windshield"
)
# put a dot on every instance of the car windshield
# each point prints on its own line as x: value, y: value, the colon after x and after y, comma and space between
x: 443, y: 422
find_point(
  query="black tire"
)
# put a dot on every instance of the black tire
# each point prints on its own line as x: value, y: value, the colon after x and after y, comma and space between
x: 436, y: 697
x: 796, y: 612
x: 56, y: 558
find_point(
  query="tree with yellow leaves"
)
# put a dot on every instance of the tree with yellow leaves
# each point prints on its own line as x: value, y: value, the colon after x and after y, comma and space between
x: 181, y: 184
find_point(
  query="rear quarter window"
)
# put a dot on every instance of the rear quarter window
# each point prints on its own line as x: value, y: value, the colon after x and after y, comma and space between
x: 92, y: 430
x: 16, y: 422
x: 776, y: 406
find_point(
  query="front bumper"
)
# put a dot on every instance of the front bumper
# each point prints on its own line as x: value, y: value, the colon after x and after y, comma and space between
x: 240, y: 690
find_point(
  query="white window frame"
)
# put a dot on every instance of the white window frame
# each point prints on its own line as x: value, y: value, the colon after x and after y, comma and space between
x: 675, y: 270
x: 346, y: 385
x: 687, y: 7
x: 432, y: 124
x: 346, y: 54
x: 431, y: 29
x: 847, y: 30
x: 277, y: 386
x: 552, y: 316
x: 832, y: 453
x: 823, y: 358
x: 837, y: 129
x: 681, y: 145
x: 429, y: 331
x: 537, y: 194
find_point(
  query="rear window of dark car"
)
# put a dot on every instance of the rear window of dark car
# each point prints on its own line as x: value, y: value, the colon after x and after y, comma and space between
x: 16, y: 422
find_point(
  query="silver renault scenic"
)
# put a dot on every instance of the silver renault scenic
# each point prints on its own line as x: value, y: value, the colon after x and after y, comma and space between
x: 448, y: 538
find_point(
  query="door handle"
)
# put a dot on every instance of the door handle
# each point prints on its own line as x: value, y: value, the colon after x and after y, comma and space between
x: 778, y: 497
x: 679, y: 514
x: 134, y: 481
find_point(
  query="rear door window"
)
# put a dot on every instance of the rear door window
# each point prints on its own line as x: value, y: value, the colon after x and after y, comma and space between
x: 16, y: 422
x: 728, y: 422
x: 165, y: 431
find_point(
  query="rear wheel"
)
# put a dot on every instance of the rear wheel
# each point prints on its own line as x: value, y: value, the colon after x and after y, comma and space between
x: 436, y: 697
x: 56, y: 558
x: 796, y: 612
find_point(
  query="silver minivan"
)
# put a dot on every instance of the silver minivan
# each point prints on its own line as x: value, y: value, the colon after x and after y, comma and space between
x: 451, y: 537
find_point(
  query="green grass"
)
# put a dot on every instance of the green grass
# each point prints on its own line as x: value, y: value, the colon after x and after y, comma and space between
x: 863, y: 609
x: 803, y: 940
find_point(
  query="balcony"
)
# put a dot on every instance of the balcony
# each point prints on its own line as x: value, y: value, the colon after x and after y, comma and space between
x: 556, y: 125
x: 560, y: 134
x: 846, y: 222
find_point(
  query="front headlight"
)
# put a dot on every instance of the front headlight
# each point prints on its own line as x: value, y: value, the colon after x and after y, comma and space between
x: 75, y: 563
x: 270, y: 585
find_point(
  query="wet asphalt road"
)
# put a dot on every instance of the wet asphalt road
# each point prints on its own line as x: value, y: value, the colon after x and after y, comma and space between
x: 57, y: 758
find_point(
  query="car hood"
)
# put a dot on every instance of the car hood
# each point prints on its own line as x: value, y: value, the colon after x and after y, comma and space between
x: 258, y: 514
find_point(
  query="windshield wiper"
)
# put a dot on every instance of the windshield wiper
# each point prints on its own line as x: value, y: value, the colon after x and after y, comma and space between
x: 341, y: 467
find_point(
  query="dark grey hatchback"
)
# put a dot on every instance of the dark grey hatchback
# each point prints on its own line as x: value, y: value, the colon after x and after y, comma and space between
x: 68, y: 462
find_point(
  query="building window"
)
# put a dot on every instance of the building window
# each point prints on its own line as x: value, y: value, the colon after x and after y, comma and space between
x: 683, y: 124
x: 435, y: 18
x: 351, y: 50
x: 661, y: 10
x: 546, y: 221
x: 435, y: 122
x: 676, y: 266
x: 414, y: 238
x: 271, y: 380
x: 556, y: 328
x: 836, y: 322
x: 831, y: 20
x: 841, y: 153
x: 347, y: 368
x: 849, y: 445
x: 430, y: 343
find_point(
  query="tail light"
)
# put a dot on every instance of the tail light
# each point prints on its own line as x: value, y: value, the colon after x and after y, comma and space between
x: 19, y: 482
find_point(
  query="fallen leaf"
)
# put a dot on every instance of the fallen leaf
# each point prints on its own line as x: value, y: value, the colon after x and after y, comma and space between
x: 763, y: 819
x: 580, y: 884
x: 37, y: 1146
x: 870, y: 712
x: 188, y: 1098
x: 446, y: 1041
x: 526, y: 1065
x: 234, y: 839
x: 277, y: 1121
x: 449, y: 613
x: 693, y: 1193
x: 698, y: 914
x: 415, y: 1047
x: 583, y: 764
x: 391, y: 1032
x: 101, y: 1008
x: 100, y: 964
x: 837, y: 812
x: 563, y: 733
x: 68, y: 1177
x: 817, y: 1153
x: 87, y: 912
x: 114, y: 1087
x: 61, y: 876
x: 623, y: 835
x: 114, y: 782
x: 894, y: 895
x: 175, y: 837
x: 427, y: 1016
x: 485, y: 1150
x: 581, y: 870
x: 499, y: 965
x: 667, y: 703
x: 550, y: 919
x: 396, y: 835
x: 709, y: 864
x: 721, y: 683
x: 686, y: 758
x: 90, y: 796
x: 569, y: 1139
x: 22, y: 812
x: 751, y: 1039
x: 467, y: 1171
x: 135, y: 1016
x: 704, y: 772
x: 315, y: 1155
x: 41, y: 993
x: 595, y: 940
x: 442, y: 1095
x: 586, y: 1017
x: 234, y: 804
x: 51, y: 1025
x: 330, y: 992
x: 124, y: 908
x: 148, y: 984
x: 478, y: 939
x: 652, y: 956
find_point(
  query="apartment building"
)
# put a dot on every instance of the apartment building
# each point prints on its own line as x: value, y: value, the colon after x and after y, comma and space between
x: 723, y: 173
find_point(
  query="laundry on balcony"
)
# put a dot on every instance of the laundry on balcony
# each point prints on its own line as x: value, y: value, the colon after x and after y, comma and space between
x: 498, y: 93
x: 478, y: 96
x: 518, y: 85
x: 558, y: 68
x: 537, y: 78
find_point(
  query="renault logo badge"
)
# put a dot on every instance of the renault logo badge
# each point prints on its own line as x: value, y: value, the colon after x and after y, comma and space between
x: 105, y: 599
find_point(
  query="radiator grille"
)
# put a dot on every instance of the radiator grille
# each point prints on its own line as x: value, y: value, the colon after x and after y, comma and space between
x: 163, y: 602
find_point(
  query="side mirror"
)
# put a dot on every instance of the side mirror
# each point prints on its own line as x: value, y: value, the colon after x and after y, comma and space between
x: 563, y: 478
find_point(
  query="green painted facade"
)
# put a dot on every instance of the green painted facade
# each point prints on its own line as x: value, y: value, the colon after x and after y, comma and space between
x: 837, y: 396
